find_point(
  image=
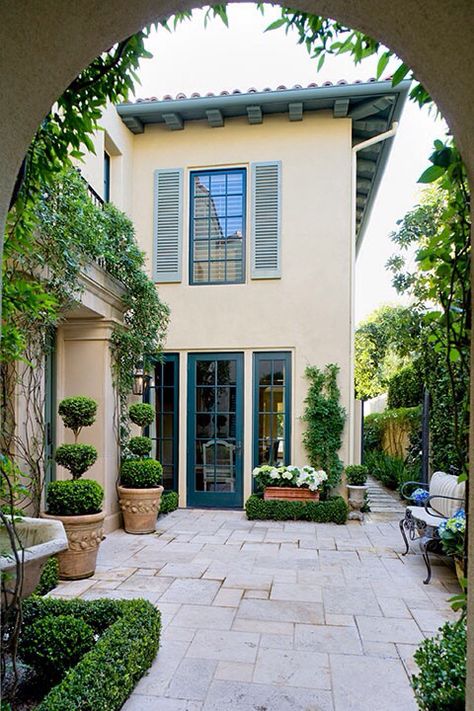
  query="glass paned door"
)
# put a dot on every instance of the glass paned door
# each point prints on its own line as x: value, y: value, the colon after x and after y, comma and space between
x: 215, y: 420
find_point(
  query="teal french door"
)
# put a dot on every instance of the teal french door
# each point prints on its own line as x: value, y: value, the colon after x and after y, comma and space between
x: 215, y: 429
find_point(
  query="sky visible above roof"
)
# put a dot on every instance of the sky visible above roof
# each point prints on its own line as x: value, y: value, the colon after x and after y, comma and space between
x: 194, y: 59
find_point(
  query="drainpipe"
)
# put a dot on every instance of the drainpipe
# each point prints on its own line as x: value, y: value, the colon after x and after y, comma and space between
x: 355, y: 150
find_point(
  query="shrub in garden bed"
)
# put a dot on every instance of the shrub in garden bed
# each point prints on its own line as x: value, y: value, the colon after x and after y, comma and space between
x: 440, y: 683
x: 332, y: 510
x: 127, y: 633
x: 390, y: 471
x: 49, y: 577
x: 169, y: 502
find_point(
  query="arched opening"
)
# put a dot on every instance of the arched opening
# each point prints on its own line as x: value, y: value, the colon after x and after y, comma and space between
x: 441, y: 72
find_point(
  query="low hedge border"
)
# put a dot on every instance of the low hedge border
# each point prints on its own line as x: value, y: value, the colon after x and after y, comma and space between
x: 105, y: 676
x: 333, y: 510
x: 169, y: 502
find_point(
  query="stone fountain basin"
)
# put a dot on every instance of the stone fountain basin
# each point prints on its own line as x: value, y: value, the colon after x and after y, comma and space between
x: 40, y: 539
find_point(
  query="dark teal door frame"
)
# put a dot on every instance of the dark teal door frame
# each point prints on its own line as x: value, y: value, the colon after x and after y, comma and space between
x: 215, y: 430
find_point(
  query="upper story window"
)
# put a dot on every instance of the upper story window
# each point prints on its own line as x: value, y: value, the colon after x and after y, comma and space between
x: 106, y: 177
x: 217, y: 226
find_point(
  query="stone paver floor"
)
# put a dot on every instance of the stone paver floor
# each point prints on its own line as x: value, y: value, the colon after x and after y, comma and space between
x: 270, y: 616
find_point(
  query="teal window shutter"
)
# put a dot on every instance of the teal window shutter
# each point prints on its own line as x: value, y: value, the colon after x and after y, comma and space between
x: 266, y: 220
x: 168, y: 225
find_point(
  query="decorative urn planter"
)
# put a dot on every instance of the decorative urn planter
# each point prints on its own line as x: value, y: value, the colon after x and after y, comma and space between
x: 84, y: 534
x: 356, y: 501
x: 139, y: 508
x: 288, y: 493
x: 40, y: 540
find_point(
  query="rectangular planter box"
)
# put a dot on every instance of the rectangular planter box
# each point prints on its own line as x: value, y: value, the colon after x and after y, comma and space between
x: 287, y: 493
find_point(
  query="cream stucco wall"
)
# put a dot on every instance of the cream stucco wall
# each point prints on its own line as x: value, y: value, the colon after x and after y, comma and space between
x: 308, y: 311
x: 117, y: 140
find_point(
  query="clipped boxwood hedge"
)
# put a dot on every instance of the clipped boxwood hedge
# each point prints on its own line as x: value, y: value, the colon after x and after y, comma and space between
x: 333, y: 510
x: 105, y: 676
x: 169, y: 502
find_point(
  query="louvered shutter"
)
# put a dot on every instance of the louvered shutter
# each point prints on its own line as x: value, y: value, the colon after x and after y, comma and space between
x: 167, y: 257
x: 266, y: 199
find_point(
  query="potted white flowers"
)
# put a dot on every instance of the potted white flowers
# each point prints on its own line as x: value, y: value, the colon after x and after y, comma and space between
x: 291, y: 482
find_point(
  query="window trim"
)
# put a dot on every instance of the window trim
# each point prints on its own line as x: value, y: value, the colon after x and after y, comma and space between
x: 107, y: 161
x: 214, y: 171
x: 272, y: 355
x: 168, y: 357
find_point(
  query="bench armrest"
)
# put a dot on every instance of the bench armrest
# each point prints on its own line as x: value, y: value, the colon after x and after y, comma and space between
x: 416, y: 484
x: 434, y: 511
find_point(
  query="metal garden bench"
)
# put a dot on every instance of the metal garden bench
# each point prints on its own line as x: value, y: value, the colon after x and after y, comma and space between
x: 421, y: 522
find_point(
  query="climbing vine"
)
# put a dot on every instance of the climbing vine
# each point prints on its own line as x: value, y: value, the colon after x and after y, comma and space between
x: 325, y: 418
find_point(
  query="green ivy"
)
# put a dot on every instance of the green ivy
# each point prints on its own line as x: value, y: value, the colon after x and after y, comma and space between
x: 325, y: 419
x: 333, y: 510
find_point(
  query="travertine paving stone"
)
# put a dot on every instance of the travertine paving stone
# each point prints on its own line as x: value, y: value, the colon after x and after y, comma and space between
x: 274, y: 616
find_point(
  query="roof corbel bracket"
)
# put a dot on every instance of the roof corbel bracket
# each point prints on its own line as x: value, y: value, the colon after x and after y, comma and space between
x: 254, y: 114
x: 215, y: 118
x: 173, y: 121
x: 341, y: 107
x: 295, y: 111
x: 134, y: 124
x: 372, y: 107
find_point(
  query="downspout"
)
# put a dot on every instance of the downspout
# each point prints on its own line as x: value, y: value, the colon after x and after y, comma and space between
x: 355, y: 150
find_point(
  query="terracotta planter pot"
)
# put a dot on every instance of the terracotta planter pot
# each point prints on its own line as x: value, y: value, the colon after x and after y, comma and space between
x: 84, y: 534
x: 289, y: 493
x: 140, y: 508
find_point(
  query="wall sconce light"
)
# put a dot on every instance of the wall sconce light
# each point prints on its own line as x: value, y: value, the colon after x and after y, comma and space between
x: 138, y: 379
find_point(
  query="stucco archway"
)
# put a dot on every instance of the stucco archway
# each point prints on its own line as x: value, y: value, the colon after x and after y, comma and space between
x: 44, y: 45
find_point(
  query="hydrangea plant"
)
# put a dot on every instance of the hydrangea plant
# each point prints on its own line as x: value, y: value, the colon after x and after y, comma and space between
x: 301, y: 477
x: 452, y: 533
x: 419, y: 496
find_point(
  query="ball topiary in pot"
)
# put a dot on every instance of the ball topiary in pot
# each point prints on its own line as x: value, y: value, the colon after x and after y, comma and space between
x: 356, y: 477
x: 140, y: 487
x: 77, y: 502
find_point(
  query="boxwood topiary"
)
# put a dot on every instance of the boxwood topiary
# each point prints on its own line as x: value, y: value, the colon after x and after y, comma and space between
x: 49, y: 577
x: 141, y: 413
x: 169, y: 502
x: 141, y: 473
x: 356, y: 474
x: 53, y: 644
x: 77, y: 412
x: 74, y: 497
x: 334, y: 509
x: 140, y: 446
x: 77, y: 458
x: 441, y: 681
x: 106, y: 675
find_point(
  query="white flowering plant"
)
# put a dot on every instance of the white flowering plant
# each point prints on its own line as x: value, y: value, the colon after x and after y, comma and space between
x: 296, y: 477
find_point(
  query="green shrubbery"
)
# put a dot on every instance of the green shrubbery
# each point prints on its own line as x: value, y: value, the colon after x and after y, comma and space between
x: 77, y: 458
x: 140, y: 446
x: 405, y: 388
x: 334, y: 510
x: 356, y: 474
x: 77, y: 412
x: 74, y: 498
x: 390, y: 471
x: 141, y: 413
x: 441, y: 681
x: 169, y: 502
x: 105, y: 676
x: 49, y: 577
x: 53, y: 644
x: 141, y: 473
